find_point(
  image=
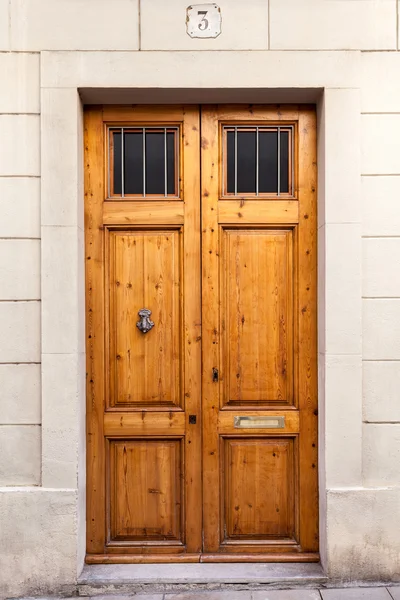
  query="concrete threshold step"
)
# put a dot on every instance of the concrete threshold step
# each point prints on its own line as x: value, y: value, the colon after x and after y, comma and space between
x: 153, y: 578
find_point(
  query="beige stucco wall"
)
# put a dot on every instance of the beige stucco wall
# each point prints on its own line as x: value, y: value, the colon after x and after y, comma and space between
x: 344, y: 55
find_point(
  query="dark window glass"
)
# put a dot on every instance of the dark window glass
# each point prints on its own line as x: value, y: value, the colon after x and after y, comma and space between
x: 133, y: 162
x: 117, y: 163
x: 171, y: 164
x: 268, y: 162
x: 155, y: 163
x: 158, y: 169
x: 243, y: 167
x: 284, y: 183
x: 230, y: 162
x: 246, y: 162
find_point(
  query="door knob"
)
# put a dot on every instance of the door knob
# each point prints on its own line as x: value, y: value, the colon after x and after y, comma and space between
x: 145, y: 324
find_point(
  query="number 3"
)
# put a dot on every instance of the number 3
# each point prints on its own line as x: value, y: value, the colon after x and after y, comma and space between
x: 203, y: 25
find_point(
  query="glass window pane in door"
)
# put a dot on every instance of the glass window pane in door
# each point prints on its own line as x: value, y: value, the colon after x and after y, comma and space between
x: 171, y: 174
x: 268, y: 162
x: 284, y: 171
x: 117, y: 173
x: 133, y: 162
x: 246, y: 162
x: 155, y: 163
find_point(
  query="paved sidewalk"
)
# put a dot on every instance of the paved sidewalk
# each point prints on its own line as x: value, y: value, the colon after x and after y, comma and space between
x: 359, y: 593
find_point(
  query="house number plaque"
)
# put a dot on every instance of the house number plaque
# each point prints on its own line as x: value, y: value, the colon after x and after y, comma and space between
x: 203, y: 20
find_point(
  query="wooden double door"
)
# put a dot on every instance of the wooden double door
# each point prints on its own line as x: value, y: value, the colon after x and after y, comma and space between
x: 200, y: 237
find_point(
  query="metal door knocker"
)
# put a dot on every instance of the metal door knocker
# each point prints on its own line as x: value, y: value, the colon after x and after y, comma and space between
x: 145, y: 324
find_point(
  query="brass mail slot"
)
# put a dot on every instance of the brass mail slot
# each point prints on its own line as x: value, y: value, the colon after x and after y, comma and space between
x: 259, y: 422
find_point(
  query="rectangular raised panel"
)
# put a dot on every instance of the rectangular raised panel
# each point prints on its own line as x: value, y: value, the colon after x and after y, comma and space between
x: 145, y: 492
x: 144, y: 272
x: 259, y: 489
x: 256, y: 315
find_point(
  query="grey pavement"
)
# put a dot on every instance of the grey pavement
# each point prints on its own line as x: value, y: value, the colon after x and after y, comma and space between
x: 355, y: 593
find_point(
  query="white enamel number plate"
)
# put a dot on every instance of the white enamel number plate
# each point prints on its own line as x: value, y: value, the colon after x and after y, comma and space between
x: 203, y: 20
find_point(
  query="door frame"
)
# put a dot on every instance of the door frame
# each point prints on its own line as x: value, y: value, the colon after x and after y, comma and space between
x: 71, y: 79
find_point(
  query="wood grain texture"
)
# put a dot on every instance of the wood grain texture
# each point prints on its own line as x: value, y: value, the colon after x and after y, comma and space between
x: 258, y: 283
x: 257, y: 316
x: 261, y: 557
x: 271, y: 557
x: 249, y: 113
x: 142, y: 115
x: 143, y: 213
x: 232, y: 287
x: 210, y: 169
x: 129, y: 558
x: 258, y: 488
x: 192, y: 328
x: 143, y: 386
x: 146, y: 496
x: 95, y: 362
x: 307, y: 331
x: 272, y: 212
x: 144, y: 422
x: 145, y: 272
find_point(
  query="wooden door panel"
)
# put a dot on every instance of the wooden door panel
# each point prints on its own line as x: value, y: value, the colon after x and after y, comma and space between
x: 143, y: 452
x: 259, y: 335
x: 256, y: 316
x: 145, y: 272
x: 146, y: 495
x: 259, y: 489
